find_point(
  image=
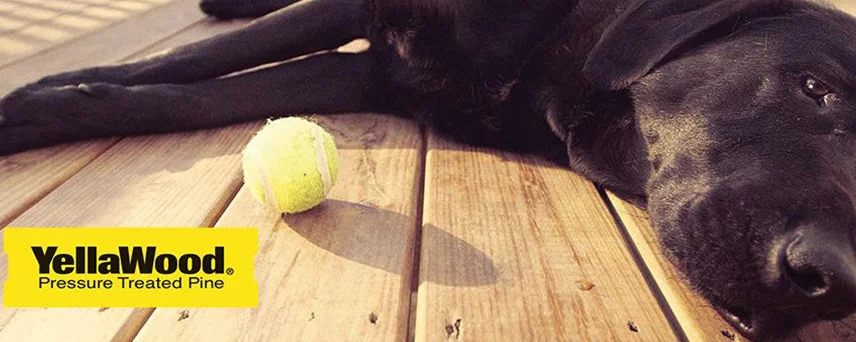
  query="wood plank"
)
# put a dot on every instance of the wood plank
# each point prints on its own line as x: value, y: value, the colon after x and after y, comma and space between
x: 323, y: 273
x: 167, y: 180
x: 697, y: 318
x: 509, y: 245
x: 33, y: 174
x: 139, y: 194
x: 157, y: 173
x: 105, y: 46
x: 44, y: 24
x: 27, y: 177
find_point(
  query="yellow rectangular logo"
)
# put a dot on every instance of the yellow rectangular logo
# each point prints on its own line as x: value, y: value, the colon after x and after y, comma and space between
x: 130, y: 267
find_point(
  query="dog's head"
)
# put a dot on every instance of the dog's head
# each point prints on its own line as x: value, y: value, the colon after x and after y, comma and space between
x: 748, y: 113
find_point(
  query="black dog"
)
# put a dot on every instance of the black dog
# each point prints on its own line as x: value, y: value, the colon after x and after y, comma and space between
x: 733, y: 120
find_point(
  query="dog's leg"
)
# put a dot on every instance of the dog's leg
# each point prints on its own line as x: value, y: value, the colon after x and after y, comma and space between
x: 328, y: 83
x: 302, y: 28
x: 228, y: 9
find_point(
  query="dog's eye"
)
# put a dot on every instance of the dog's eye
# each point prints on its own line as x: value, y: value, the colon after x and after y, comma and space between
x: 819, y: 91
x: 815, y: 88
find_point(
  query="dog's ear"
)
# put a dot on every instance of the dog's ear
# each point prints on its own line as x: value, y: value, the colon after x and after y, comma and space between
x: 650, y: 30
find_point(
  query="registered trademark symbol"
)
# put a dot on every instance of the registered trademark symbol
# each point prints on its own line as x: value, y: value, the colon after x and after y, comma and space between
x: 230, y: 271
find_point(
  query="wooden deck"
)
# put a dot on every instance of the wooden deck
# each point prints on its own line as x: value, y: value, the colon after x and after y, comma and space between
x: 421, y: 239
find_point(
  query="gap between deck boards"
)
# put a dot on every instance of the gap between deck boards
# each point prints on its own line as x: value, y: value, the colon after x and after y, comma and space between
x: 642, y: 266
x: 417, y: 248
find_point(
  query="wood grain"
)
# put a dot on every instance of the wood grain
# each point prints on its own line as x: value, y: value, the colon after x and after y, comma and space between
x: 697, y: 318
x: 182, y: 179
x: 324, y: 273
x: 126, y: 207
x: 27, y: 177
x: 36, y: 26
x: 105, y: 46
x: 511, y: 245
x: 33, y: 174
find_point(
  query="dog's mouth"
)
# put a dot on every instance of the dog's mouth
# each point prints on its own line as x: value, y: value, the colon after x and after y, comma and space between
x: 742, y: 320
x: 760, y: 326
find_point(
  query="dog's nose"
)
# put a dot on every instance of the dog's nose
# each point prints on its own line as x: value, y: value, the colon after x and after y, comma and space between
x: 822, y: 267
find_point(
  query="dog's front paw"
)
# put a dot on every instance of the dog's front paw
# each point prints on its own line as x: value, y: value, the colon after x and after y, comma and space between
x: 38, y: 117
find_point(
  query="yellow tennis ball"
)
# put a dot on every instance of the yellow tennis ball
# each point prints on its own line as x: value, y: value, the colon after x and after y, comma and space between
x: 290, y: 165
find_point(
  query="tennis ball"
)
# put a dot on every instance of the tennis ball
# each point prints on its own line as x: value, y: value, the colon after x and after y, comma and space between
x: 290, y: 165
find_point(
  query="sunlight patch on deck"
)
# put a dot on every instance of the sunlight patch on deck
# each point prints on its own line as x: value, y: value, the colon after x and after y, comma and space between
x: 7, y: 23
x: 10, y: 46
x: 8, y: 6
x: 33, y: 13
x: 78, y: 22
x: 64, y: 6
x: 106, y: 13
x: 45, y: 33
x: 30, y: 26
x: 131, y: 5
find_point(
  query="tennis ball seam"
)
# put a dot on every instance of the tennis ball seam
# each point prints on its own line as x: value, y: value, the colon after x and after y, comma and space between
x: 268, y: 195
x: 321, y: 158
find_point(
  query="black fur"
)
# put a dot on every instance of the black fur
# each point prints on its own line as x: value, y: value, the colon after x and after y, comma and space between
x: 732, y: 120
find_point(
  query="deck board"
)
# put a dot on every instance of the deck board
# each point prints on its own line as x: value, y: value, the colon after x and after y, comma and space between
x: 323, y: 273
x: 109, y: 45
x: 131, y: 39
x: 183, y: 179
x: 32, y: 175
x: 505, y: 241
x: 29, y: 27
